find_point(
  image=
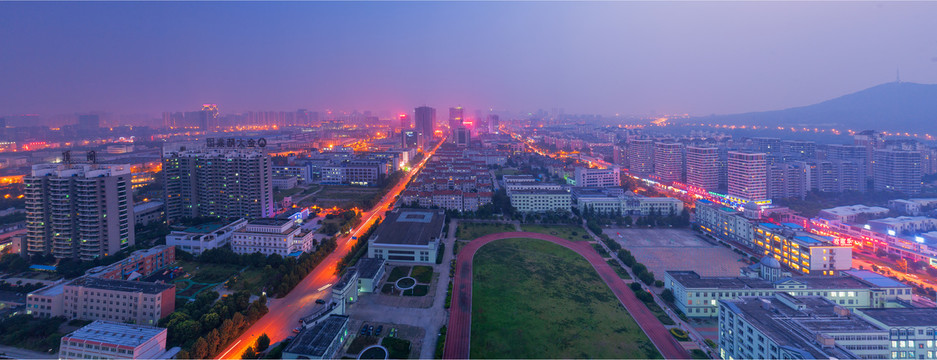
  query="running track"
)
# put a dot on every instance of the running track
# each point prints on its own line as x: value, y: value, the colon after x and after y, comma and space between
x: 460, y: 315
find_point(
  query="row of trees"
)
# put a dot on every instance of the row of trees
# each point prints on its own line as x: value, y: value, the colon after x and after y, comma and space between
x: 640, y: 270
x: 361, y: 246
x: 281, y: 274
x: 203, y: 327
x: 30, y: 332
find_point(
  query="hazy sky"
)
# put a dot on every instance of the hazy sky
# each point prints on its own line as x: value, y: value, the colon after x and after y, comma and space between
x: 602, y: 57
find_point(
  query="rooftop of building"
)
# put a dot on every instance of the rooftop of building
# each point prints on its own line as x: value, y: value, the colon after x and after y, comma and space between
x: 853, y: 210
x: 345, y: 279
x: 120, y: 285
x: 315, y: 341
x: 415, y: 227
x: 204, y: 228
x: 900, y: 220
x: 50, y: 290
x: 792, y: 322
x: 903, y: 317
x: 115, y: 333
x: 692, y: 280
x: 369, y: 267
x: 269, y: 221
x: 540, y: 192
x: 876, y: 279
x: 147, y: 206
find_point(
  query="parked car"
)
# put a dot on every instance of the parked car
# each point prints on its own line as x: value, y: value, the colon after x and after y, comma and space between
x: 297, y: 330
x: 320, y: 301
x: 378, y: 331
x: 364, y: 329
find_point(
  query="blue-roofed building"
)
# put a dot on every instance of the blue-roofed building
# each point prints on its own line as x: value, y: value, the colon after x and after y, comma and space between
x: 800, y: 251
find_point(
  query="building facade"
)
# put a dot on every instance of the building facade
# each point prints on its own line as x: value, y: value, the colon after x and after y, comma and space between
x: 702, y: 169
x: 272, y: 236
x: 541, y: 200
x: 226, y: 183
x: 114, y: 340
x: 747, y: 176
x: 79, y: 211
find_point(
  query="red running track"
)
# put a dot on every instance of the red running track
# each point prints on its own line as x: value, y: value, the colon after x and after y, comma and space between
x: 460, y: 311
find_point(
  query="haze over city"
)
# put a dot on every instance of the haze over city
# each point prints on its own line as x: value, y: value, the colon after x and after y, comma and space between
x: 468, y: 180
x: 629, y: 58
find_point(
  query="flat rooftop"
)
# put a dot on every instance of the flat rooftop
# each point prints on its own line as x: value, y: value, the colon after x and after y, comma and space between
x: 368, y: 267
x: 120, y: 285
x: 415, y: 227
x: 787, y: 325
x: 269, y: 221
x: 115, y: 333
x: 692, y: 280
x: 315, y: 340
x: 876, y: 279
x: 903, y: 317
x: 204, y: 228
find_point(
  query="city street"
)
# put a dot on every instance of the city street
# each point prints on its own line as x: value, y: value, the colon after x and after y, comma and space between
x: 284, y: 313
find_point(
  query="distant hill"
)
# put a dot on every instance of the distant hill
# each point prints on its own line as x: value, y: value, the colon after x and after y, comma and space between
x: 890, y: 107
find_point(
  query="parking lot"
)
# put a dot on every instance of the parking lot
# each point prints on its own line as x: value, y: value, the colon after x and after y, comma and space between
x: 677, y: 249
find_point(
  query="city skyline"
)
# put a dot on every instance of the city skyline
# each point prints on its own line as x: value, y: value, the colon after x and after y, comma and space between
x: 629, y: 58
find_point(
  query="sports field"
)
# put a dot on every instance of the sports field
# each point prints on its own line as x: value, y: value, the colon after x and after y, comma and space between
x: 535, y: 299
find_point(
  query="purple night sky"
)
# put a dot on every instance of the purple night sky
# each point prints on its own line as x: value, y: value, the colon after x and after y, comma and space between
x: 596, y: 57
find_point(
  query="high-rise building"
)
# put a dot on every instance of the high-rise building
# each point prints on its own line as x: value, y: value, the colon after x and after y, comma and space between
x: 79, y: 211
x: 897, y: 170
x: 425, y: 120
x: 494, y: 122
x: 586, y: 177
x: 404, y: 122
x: 668, y: 162
x: 747, y: 176
x: 766, y: 145
x: 701, y: 167
x: 463, y: 136
x: 641, y: 157
x: 89, y: 122
x: 409, y: 139
x: 219, y: 182
x: 787, y: 180
x: 456, y: 117
x: 799, y: 150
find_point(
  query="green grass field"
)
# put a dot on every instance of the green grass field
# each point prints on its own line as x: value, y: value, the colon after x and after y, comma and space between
x: 535, y: 299
x: 568, y: 232
x: 208, y: 273
x: 470, y: 231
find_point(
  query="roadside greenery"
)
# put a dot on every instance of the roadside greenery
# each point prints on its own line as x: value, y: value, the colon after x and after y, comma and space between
x: 204, y: 327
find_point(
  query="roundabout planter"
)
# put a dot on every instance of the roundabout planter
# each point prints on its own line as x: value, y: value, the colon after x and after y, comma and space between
x: 373, y: 352
x: 405, y: 283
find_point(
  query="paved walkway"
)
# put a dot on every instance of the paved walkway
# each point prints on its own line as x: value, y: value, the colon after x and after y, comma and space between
x: 460, y: 317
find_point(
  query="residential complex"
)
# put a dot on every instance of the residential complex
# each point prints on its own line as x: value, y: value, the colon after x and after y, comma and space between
x: 747, y: 176
x: 668, y: 162
x: 219, y: 182
x: 897, y: 170
x: 702, y: 170
x: 78, y: 211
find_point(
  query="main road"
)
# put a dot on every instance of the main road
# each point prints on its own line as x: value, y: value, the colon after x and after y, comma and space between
x: 284, y: 313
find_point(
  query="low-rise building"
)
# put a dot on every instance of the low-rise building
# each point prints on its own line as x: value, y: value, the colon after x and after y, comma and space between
x: 139, y: 264
x: 787, y: 327
x: 723, y: 222
x: 320, y: 341
x: 408, y: 235
x: 912, y: 332
x: 345, y: 291
x: 272, y: 236
x: 370, y: 273
x: 698, y: 296
x: 541, y: 200
x: 92, y: 298
x: 853, y: 213
x: 284, y: 182
x: 149, y: 212
x: 197, y: 239
x: 115, y: 340
x: 586, y: 177
x: 800, y: 251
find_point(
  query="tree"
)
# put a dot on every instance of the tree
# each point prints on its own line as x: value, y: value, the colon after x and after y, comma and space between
x: 200, y: 349
x: 263, y: 342
x: 249, y: 353
x: 667, y: 295
x: 902, y: 265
